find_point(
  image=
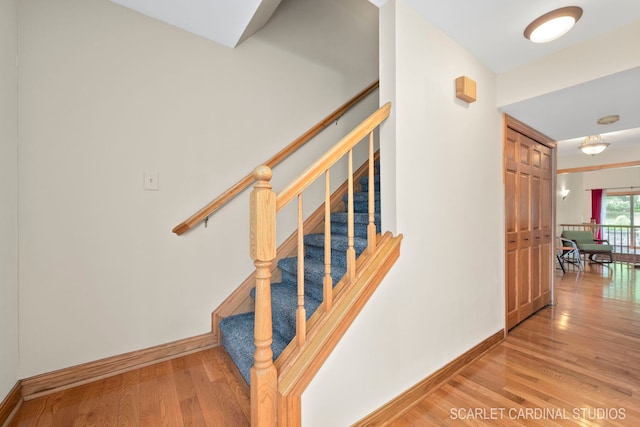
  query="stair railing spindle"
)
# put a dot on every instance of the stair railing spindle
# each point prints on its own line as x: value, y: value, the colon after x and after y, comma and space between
x: 263, y: 374
x: 371, y: 228
x: 351, y: 252
x: 301, y: 318
x: 327, y: 282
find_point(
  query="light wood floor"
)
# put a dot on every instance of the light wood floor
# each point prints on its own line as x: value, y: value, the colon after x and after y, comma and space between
x: 196, y: 390
x: 577, y: 363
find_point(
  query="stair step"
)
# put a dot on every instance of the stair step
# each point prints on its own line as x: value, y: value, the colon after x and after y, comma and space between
x: 358, y: 218
x: 338, y: 243
x: 238, y: 339
x: 284, y: 303
x: 364, y: 183
x: 359, y: 230
x: 361, y: 196
x: 313, y: 274
x: 363, y: 207
x: 365, y: 179
x: 361, y: 201
x: 314, y: 247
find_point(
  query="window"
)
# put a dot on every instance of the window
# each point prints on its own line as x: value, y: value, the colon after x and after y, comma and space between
x: 623, y: 209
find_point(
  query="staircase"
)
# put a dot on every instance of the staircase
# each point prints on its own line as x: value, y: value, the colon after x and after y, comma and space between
x: 237, y: 331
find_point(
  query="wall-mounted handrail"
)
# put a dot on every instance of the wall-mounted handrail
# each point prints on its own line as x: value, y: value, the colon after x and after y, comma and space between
x: 245, y: 182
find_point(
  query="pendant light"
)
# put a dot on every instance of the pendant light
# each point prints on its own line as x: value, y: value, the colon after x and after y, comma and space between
x: 593, y: 145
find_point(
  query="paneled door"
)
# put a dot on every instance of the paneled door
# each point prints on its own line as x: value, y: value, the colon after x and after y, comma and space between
x: 529, y: 212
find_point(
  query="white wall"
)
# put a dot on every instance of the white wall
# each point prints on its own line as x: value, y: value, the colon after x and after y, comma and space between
x: 611, y: 155
x: 569, y: 210
x: 107, y: 93
x: 8, y: 197
x: 576, y: 208
x: 572, y: 66
x: 442, y: 297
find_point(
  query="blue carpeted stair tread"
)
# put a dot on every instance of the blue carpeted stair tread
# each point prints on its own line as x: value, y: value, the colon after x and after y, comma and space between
x: 314, y: 247
x: 361, y: 202
x: 284, y: 303
x: 338, y: 242
x: 361, y: 196
x: 364, y: 183
x: 358, y: 217
x: 359, y: 230
x: 238, y: 339
x: 313, y: 274
x: 365, y: 179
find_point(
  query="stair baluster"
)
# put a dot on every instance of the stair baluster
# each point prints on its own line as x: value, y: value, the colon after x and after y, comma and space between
x: 264, y: 377
x: 371, y: 228
x: 301, y: 315
x: 351, y: 252
x: 327, y: 283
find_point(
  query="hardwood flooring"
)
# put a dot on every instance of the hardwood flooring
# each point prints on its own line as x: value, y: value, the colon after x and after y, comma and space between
x: 201, y: 389
x: 576, y: 363
x: 573, y: 364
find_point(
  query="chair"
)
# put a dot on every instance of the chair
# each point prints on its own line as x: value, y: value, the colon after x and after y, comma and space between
x: 569, y: 253
x: 587, y: 245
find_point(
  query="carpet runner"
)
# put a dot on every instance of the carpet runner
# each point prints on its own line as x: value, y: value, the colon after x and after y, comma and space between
x: 237, y: 330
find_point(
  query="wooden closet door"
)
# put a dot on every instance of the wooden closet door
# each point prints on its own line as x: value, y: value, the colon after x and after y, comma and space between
x: 528, y: 225
x: 511, y: 225
x: 546, y: 217
x: 537, y: 206
x: 526, y: 255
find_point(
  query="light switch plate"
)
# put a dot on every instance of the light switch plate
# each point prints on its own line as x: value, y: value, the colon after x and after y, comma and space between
x: 150, y: 181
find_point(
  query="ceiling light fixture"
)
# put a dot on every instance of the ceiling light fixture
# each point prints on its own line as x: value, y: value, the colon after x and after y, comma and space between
x: 553, y: 25
x: 608, y: 120
x: 593, y: 145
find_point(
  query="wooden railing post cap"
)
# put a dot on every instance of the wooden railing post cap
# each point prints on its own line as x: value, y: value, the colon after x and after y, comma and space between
x: 262, y: 173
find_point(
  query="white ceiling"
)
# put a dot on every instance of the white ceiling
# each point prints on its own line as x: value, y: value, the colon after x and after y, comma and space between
x: 492, y: 31
x: 568, y: 115
x: 227, y: 22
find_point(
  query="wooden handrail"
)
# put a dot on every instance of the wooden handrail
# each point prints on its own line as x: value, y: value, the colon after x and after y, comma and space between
x: 245, y: 182
x: 332, y: 156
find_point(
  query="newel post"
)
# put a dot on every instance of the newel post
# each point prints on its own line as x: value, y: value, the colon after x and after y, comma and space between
x: 263, y: 375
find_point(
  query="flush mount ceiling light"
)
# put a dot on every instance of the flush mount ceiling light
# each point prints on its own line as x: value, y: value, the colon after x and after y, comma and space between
x: 553, y: 25
x: 593, y: 145
x: 608, y: 120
